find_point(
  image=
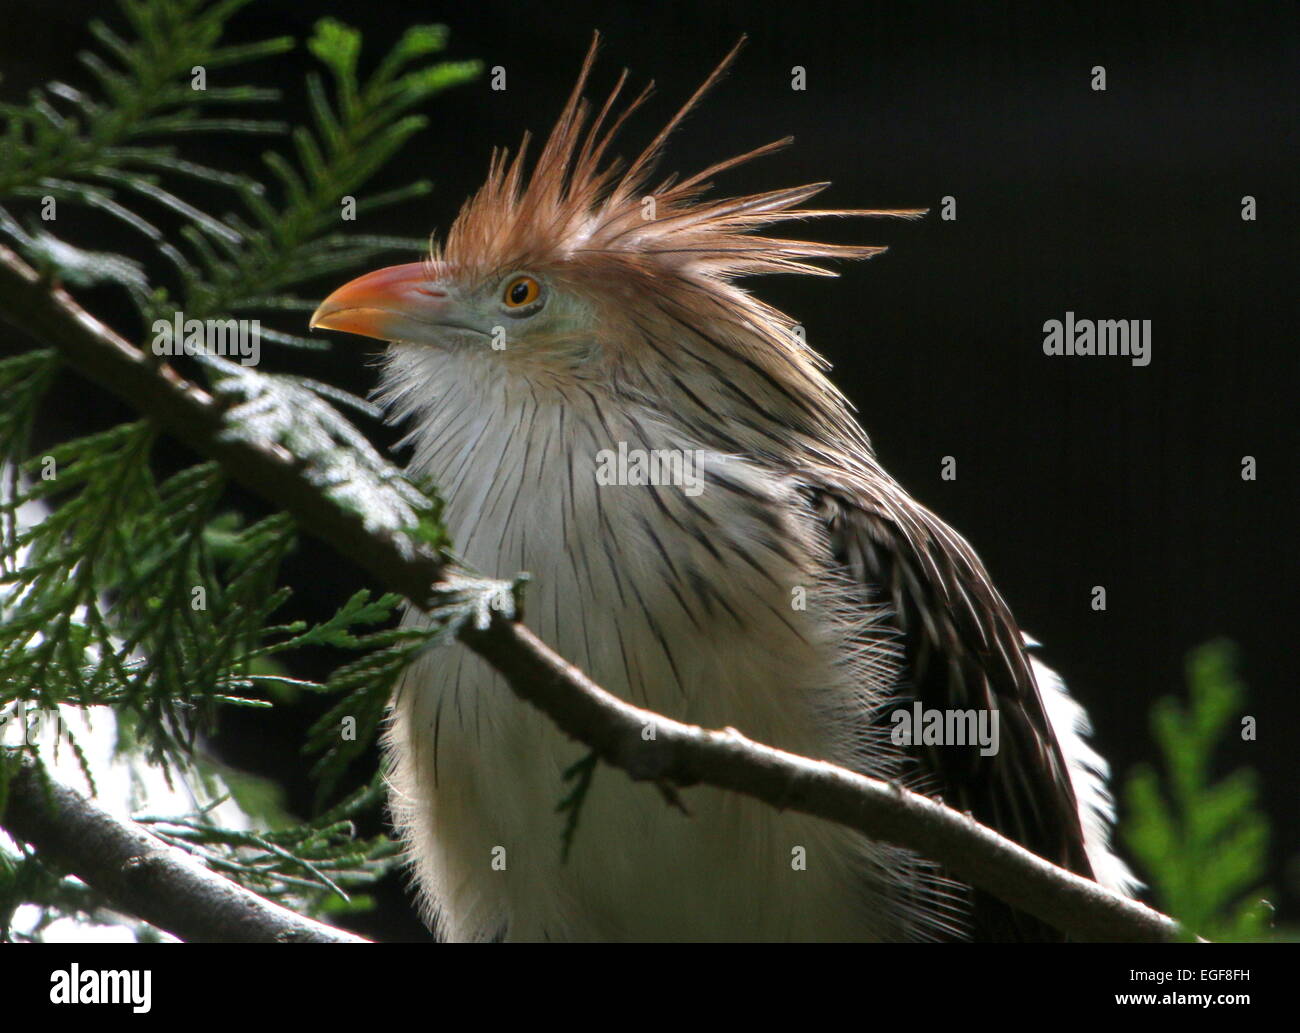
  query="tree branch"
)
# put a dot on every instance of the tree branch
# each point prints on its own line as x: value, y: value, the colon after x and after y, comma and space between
x: 144, y: 876
x: 679, y: 754
x: 683, y: 755
x: 194, y: 417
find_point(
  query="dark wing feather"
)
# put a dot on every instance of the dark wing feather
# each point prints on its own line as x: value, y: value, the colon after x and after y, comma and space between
x: 962, y: 650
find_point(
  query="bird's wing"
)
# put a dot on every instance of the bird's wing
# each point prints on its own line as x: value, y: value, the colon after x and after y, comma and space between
x: 962, y: 650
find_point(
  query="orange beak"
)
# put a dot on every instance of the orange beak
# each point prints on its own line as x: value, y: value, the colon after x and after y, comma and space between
x: 394, y: 304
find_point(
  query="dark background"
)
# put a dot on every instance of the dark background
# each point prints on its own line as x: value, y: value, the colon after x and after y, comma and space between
x: 1072, y: 472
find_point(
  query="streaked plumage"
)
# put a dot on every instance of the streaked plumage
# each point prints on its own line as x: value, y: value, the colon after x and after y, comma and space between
x: 685, y: 604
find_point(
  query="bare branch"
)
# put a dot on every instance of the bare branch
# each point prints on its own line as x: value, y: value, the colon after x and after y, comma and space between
x: 684, y: 755
x: 144, y: 876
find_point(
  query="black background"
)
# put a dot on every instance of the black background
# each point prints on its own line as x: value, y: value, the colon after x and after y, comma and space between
x: 1123, y: 204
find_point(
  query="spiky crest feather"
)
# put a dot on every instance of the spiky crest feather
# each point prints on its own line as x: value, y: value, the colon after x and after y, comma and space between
x: 577, y: 205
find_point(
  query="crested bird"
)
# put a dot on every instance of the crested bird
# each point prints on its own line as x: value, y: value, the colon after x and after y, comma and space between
x: 577, y: 312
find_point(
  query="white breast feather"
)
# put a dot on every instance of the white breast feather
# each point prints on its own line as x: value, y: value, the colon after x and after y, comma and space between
x: 477, y: 772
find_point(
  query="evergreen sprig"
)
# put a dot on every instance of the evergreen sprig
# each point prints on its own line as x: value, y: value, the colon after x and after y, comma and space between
x: 352, y: 136
x: 91, y: 146
x: 1203, y: 843
x: 145, y: 595
x: 307, y: 866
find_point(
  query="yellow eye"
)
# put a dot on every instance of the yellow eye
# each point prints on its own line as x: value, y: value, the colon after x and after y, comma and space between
x: 521, y: 291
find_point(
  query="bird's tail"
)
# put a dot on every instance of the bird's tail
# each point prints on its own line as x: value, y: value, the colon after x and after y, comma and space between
x: 1089, y: 774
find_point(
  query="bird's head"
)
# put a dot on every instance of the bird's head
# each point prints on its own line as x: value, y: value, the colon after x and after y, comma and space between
x: 580, y: 267
x: 532, y: 309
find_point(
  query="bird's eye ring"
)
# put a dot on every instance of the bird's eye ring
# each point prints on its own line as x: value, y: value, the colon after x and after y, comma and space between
x: 521, y: 291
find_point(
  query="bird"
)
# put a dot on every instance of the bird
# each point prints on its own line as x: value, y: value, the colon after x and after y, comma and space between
x: 709, y: 535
